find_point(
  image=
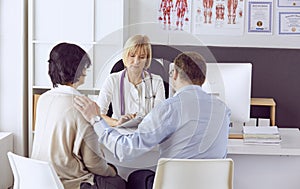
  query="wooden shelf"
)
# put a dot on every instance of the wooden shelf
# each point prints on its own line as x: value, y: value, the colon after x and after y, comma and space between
x: 266, y: 102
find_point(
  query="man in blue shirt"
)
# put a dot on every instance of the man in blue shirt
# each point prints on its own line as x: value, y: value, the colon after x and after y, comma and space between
x: 192, y: 124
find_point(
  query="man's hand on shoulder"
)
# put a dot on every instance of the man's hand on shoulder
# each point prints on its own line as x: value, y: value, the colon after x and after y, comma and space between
x: 88, y: 108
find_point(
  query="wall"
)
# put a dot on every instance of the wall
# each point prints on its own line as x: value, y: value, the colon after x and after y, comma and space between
x: 274, y: 57
x: 146, y: 22
x: 13, y: 70
x: 275, y: 74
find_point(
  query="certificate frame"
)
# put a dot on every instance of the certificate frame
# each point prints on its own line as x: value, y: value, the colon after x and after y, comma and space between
x: 288, y: 3
x: 289, y: 23
x: 257, y: 26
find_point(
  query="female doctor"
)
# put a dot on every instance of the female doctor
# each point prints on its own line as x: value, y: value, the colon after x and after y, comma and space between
x: 133, y: 91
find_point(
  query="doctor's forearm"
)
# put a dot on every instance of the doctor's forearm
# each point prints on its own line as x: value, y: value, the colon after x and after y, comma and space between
x: 110, y: 121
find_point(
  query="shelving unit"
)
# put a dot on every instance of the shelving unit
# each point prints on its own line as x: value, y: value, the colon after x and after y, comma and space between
x: 74, y: 21
x: 269, y: 102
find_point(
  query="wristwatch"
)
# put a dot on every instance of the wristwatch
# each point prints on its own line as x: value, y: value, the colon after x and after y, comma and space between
x: 95, y: 119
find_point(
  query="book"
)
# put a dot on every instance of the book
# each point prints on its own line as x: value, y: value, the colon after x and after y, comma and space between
x: 261, y: 135
x: 267, y: 130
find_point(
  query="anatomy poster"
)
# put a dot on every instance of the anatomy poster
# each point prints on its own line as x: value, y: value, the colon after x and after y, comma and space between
x: 175, y: 15
x: 224, y: 17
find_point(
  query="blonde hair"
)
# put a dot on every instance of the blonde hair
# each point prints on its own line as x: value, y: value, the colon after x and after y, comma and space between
x: 135, y: 44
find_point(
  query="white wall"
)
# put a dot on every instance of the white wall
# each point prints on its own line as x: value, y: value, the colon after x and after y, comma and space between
x: 12, y: 72
x: 145, y: 13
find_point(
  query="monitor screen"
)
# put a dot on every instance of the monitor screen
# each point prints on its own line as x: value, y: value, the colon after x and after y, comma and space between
x: 231, y: 82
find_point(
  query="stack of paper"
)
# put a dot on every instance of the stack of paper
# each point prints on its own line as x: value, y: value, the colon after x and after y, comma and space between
x: 261, y: 135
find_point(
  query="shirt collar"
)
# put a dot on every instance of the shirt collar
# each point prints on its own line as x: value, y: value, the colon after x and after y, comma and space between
x: 146, y: 76
x: 66, y: 90
x: 188, y: 87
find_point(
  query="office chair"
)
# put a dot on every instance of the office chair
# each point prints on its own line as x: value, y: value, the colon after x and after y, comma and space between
x: 33, y: 174
x: 194, y: 174
x: 155, y: 68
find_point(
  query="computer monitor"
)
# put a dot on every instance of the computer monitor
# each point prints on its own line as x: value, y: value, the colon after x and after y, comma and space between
x: 231, y: 82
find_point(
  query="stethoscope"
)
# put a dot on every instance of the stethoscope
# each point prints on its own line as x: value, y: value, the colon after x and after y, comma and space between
x: 122, y: 101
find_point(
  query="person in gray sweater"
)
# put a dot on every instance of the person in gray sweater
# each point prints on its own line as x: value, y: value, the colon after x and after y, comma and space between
x: 62, y: 135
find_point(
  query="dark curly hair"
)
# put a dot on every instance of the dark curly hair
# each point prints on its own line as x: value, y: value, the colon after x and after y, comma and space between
x: 191, y: 66
x: 66, y: 63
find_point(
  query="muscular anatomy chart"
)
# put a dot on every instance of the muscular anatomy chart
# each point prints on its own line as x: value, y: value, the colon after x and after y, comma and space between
x: 181, y: 7
x: 175, y: 14
x: 224, y: 17
x: 231, y: 7
x: 211, y: 17
x: 166, y: 6
x: 207, y: 13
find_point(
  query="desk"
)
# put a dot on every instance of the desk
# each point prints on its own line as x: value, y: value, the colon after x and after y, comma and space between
x: 255, y: 166
x: 267, y: 167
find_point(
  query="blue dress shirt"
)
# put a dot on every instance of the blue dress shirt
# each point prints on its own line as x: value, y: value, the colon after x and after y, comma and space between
x: 191, y: 124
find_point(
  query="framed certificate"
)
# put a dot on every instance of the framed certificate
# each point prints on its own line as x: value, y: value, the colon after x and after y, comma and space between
x: 289, y: 23
x: 260, y: 17
x: 288, y: 3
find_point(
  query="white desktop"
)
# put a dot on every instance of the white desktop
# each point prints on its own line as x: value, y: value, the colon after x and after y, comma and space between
x: 267, y: 166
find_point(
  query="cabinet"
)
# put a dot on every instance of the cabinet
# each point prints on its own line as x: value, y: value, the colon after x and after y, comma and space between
x: 85, y: 23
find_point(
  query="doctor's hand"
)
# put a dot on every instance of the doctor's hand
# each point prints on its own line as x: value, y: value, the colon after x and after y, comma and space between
x: 125, y: 118
x: 88, y: 108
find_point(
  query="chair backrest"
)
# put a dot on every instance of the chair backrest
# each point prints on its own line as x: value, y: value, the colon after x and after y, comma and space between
x: 33, y: 174
x: 194, y: 174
